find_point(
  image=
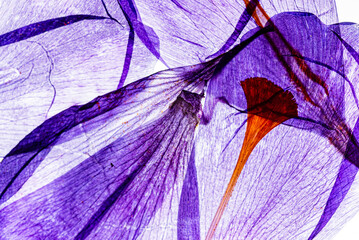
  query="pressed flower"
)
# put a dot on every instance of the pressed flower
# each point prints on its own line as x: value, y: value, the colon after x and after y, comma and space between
x: 272, y: 155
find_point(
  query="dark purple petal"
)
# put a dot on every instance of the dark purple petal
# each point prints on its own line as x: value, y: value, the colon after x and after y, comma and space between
x: 146, y: 34
x: 42, y: 27
x: 188, y: 226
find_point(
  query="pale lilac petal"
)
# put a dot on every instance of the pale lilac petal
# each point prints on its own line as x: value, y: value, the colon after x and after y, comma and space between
x: 281, y: 190
x: 190, y: 31
x: 50, y: 72
x: 21, y: 13
x: 344, y: 180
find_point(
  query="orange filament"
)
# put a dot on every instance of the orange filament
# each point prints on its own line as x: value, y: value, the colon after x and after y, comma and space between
x: 268, y: 106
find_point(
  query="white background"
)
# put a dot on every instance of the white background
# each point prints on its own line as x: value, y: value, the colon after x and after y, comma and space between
x: 348, y: 11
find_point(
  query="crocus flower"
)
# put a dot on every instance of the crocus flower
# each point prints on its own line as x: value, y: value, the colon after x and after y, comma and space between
x: 251, y: 132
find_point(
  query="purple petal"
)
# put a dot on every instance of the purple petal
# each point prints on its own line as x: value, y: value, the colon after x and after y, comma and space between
x: 281, y: 193
x: 150, y: 40
x: 325, y: 98
x: 188, y: 226
x: 128, y: 58
x: 347, y: 171
x: 58, y: 144
x: 114, y: 193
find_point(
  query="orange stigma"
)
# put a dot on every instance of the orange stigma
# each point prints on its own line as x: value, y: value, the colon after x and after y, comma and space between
x: 268, y: 106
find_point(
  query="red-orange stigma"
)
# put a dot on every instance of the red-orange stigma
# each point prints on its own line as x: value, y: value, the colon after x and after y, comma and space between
x: 268, y: 106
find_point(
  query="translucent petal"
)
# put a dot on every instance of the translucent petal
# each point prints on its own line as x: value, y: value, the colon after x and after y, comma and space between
x: 68, y: 138
x: 259, y: 203
x: 114, y: 193
x: 191, y: 31
x: 50, y: 72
